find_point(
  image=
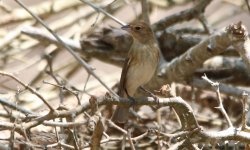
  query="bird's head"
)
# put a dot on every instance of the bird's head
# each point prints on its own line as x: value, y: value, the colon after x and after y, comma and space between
x: 140, y: 31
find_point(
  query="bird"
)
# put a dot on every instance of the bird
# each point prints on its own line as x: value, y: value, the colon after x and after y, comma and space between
x: 139, y: 67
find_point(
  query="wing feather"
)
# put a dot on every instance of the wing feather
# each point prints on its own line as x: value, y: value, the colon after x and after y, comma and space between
x: 122, y: 88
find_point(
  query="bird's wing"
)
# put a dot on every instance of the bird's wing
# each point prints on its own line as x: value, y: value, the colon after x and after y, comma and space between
x: 122, y: 88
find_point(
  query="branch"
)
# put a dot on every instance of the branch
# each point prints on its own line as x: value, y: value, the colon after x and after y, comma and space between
x: 181, y: 107
x: 185, y: 15
x: 182, y: 68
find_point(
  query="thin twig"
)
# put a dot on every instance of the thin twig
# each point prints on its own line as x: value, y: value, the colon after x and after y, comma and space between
x: 51, y: 73
x: 248, y: 6
x: 97, y: 135
x: 145, y: 13
x: 33, y: 91
x: 98, y: 9
x: 244, y: 110
x: 112, y: 124
x: 63, y: 87
x: 71, y: 51
x: 220, y: 107
x: 204, y: 23
x: 9, y: 104
x: 132, y: 146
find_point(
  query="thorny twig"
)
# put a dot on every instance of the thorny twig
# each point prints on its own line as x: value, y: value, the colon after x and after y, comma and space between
x: 220, y: 107
x: 29, y: 88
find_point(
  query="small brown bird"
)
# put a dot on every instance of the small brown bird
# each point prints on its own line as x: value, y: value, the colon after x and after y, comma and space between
x: 139, y: 67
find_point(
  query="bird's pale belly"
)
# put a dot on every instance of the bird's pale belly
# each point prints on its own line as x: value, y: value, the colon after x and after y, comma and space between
x: 139, y: 75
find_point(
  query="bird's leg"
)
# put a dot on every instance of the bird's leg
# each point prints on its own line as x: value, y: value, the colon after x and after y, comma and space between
x: 132, y: 100
x: 150, y: 93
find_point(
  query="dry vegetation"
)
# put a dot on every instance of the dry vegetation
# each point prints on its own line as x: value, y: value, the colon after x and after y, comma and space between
x: 51, y: 100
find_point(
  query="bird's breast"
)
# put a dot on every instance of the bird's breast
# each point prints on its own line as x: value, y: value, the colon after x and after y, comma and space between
x: 144, y: 61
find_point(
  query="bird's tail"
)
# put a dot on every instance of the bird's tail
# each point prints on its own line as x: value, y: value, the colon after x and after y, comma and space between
x: 120, y: 115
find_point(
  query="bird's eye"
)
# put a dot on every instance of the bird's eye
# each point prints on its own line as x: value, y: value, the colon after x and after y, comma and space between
x: 137, y: 28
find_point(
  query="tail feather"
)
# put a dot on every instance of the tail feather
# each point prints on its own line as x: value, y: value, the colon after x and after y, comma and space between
x: 120, y: 115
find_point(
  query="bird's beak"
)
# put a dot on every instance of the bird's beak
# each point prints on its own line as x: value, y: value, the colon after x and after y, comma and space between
x: 126, y: 27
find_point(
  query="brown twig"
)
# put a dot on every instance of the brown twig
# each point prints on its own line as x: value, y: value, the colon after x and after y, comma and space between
x: 144, y: 10
x: 97, y: 135
x: 204, y: 23
x: 248, y: 6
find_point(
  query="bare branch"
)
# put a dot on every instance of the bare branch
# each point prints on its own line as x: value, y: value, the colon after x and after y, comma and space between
x: 182, y: 68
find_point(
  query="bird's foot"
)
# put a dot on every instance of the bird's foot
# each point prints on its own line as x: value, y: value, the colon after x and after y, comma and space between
x: 151, y: 94
x: 132, y: 103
